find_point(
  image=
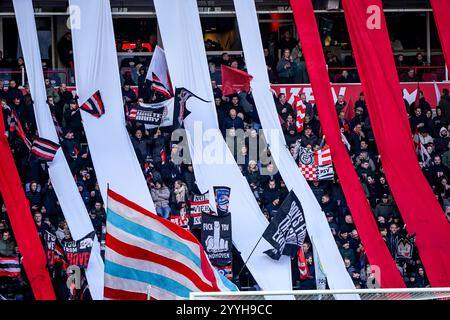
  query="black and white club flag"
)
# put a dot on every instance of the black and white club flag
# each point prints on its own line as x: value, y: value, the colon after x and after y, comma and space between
x: 94, y: 105
x: 182, y: 95
x: 287, y: 229
x: 44, y: 149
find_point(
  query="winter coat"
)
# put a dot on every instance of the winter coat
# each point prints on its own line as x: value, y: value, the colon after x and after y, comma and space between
x: 181, y: 193
x: 7, y: 248
x: 161, y: 197
x: 34, y: 198
x: 235, y: 123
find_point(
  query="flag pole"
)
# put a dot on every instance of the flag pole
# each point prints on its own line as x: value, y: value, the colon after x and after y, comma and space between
x: 245, y: 263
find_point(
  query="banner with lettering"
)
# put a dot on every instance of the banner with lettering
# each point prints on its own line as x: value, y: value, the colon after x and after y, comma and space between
x: 217, y: 241
x: 79, y: 252
x: 199, y: 206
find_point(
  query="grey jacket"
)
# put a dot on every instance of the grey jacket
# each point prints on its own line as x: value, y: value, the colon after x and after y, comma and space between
x: 161, y: 197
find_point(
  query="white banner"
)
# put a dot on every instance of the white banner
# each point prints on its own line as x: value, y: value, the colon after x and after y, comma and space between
x: 66, y: 190
x: 318, y: 229
x: 96, y: 68
x: 214, y: 165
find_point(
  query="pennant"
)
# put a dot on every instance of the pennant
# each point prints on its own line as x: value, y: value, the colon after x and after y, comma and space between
x: 44, y: 149
x: 94, y: 105
x: 222, y: 198
x: 234, y: 80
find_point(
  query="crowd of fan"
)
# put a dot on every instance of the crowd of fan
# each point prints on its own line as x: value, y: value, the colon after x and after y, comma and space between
x: 172, y: 184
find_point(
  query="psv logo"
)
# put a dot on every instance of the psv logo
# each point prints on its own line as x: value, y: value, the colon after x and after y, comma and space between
x: 374, y: 19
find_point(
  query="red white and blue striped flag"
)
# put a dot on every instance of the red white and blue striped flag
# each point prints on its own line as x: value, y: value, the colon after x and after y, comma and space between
x: 145, y: 250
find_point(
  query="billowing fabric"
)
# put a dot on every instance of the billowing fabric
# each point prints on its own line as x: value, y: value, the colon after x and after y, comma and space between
x: 213, y: 163
x: 374, y: 245
x: 417, y: 203
x: 143, y: 249
x: 316, y: 223
x: 25, y: 233
x: 441, y: 8
x: 96, y: 68
x: 64, y: 185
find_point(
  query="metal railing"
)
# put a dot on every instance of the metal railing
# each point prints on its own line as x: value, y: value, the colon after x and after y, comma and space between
x: 56, y: 76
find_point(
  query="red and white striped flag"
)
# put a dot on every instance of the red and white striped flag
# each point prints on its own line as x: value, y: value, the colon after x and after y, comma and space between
x: 323, y: 156
x: 300, y: 109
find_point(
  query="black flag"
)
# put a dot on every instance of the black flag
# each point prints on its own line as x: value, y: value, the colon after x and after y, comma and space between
x: 182, y: 95
x: 287, y: 230
x: 405, y: 247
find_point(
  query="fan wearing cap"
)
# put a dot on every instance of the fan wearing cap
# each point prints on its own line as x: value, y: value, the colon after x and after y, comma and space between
x: 308, y: 137
x: 385, y: 208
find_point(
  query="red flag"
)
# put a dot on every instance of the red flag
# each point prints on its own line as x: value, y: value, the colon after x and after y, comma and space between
x: 300, y: 110
x: 302, y: 265
x: 349, y: 110
x: 412, y: 192
x: 25, y: 233
x: 162, y: 153
x: 234, y: 80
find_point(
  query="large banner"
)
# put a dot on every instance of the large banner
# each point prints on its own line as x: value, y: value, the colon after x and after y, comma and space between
x: 412, y: 193
x: 351, y: 92
x: 96, y: 69
x: 63, y: 183
x: 326, y: 96
x: 214, y: 165
x: 217, y: 241
x: 318, y: 228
